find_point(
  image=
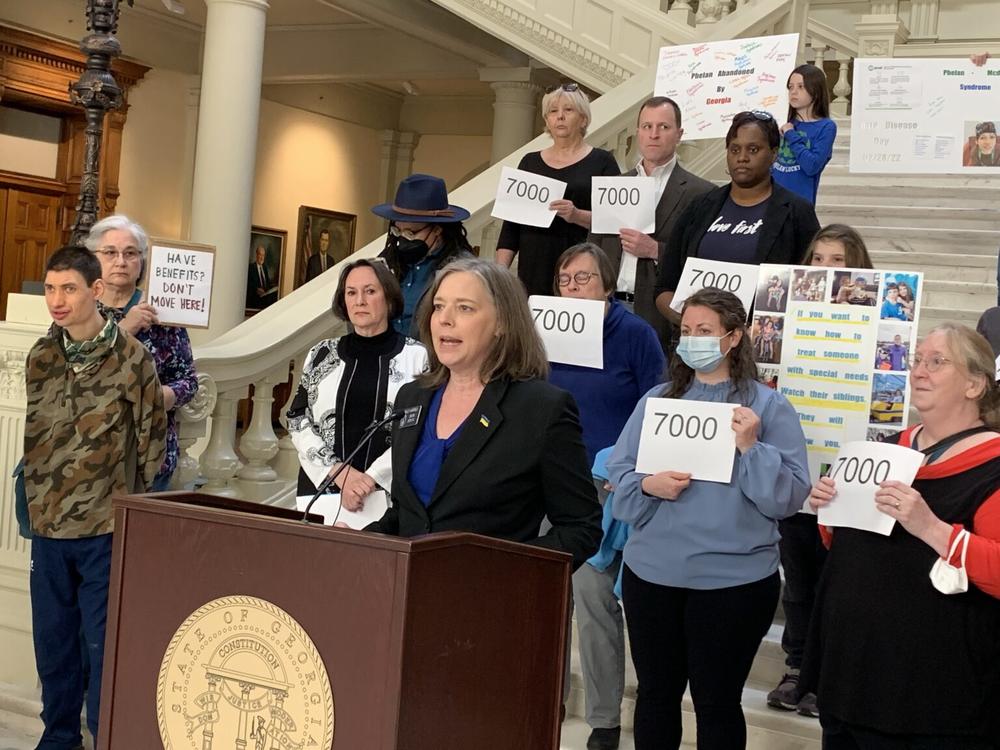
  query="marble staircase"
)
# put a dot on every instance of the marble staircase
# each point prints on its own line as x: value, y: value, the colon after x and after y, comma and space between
x: 947, y: 226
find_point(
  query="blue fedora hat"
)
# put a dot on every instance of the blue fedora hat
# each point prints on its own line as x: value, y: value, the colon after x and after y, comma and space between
x: 421, y: 197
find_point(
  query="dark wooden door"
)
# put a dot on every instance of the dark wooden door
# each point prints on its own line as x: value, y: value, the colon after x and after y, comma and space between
x: 30, y: 229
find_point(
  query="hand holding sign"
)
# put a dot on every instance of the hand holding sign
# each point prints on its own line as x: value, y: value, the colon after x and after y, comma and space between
x: 738, y: 278
x: 694, y: 437
x: 622, y: 202
x: 847, y: 497
x: 572, y: 330
x: 524, y: 197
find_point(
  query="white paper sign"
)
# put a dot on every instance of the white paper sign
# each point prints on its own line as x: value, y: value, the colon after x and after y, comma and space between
x: 690, y: 436
x: 698, y: 273
x: 929, y: 115
x: 859, y: 469
x: 997, y: 376
x: 712, y: 81
x: 375, y: 507
x: 524, y: 197
x: 179, y: 284
x: 622, y: 202
x: 571, y: 329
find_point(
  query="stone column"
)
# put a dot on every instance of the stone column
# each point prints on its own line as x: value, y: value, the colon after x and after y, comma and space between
x: 514, y: 109
x: 225, y: 160
x: 884, y: 7
x: 397, y: 159
x: 924, y: 20
x: 682, y: 12
x: 842, y: 88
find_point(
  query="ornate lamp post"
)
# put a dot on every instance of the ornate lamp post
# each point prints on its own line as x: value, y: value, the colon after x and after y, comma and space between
x: 97, y: 92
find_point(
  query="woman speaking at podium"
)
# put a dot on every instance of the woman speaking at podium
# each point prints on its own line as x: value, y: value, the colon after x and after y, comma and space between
x: 493, y: 447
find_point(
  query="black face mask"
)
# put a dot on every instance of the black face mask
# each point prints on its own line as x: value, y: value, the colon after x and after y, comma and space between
x: 411, y: 251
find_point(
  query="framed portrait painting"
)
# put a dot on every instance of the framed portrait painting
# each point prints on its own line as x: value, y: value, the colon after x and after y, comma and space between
x: 324, y: 239
x: 264, y: 270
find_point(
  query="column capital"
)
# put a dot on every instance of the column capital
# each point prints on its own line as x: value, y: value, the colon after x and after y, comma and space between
x: 523, y: 74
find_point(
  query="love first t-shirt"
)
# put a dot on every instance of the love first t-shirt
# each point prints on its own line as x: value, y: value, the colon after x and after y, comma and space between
x: 734, y: 234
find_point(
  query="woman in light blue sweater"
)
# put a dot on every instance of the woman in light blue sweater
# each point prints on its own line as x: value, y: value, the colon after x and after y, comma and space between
x: 700, y: 581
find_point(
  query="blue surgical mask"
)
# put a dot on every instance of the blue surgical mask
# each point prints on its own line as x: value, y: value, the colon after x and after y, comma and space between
x: 701, y: 353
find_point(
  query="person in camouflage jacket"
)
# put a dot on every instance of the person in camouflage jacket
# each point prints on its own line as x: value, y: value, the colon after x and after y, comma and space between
x: 95, y: 426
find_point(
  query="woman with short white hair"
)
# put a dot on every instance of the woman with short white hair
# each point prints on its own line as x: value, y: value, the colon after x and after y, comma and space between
x: 569, y: 159
x: 122, y: 246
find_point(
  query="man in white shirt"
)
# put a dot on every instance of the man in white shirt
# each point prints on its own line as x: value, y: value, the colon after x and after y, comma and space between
x: 635, y: 254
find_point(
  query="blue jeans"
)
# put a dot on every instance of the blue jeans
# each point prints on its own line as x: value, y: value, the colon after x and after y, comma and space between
x: 69, y: 595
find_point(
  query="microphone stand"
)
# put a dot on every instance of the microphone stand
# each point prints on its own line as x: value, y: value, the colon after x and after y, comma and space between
x: 369, y: 434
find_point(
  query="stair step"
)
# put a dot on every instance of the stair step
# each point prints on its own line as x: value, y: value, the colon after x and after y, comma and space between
x: 857, y: 192
x: 959, y: 295
x: 943, y: 266
x: 874, y: 179
x: 942, y: 242
x: 910, y: 217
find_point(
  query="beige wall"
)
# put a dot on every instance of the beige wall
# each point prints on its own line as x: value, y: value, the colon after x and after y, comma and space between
x: 156, y: 166
x: 29, y: 142
x: 451, y: 157
x: 312, y: 160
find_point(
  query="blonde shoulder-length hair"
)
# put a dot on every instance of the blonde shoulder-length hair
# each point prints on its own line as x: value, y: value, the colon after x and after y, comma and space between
x: 517, y: 352
x: 971, y: 352
x: 576, y: 98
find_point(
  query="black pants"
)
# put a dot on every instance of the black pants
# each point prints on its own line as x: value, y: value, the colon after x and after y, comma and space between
x: 802, y: 558
x: 707, y: 638
x: 840, y: 736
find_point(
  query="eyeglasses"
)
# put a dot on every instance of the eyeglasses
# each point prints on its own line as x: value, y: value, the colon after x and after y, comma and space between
x: 757, y: 114
x: 933, y: 364
x: 580, y: 277
x: 407, y: 234
x: 112, y: 253
x: 567, y: 87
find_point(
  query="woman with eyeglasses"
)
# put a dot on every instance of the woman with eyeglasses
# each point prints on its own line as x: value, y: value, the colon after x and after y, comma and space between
x: 633, y: 364
x: 569, y: 159
x: 122, y: 247
x: 905, y: 649
x: 700, y: 576
x: 751, y: 220
x: 425, y: 234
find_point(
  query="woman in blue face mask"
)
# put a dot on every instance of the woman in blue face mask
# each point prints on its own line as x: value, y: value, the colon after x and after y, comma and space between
x: 700, y: 580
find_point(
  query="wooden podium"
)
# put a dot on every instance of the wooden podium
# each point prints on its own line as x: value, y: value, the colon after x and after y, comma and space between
x: 448, y: 641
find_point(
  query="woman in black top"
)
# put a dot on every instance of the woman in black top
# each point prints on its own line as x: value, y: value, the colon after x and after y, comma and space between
x: 349, y: 382
x: 569, y: 159
x: 898, y: 660
x: 750, y: 220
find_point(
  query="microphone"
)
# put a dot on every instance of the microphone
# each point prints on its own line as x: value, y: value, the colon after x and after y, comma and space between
x: 369, y: 434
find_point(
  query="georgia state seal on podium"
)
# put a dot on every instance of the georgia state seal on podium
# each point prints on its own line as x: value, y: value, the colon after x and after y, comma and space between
x: 241, y: 673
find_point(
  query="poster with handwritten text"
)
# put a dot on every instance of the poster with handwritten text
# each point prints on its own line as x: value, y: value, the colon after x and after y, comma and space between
x: 712, y: 81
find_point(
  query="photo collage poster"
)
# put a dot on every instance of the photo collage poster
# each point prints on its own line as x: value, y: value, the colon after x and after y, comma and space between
x: 837, y: 343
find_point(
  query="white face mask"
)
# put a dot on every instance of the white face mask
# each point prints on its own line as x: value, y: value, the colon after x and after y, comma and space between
x: 946, y: 577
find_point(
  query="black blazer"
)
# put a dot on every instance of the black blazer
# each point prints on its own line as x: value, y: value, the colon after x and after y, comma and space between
x: 790, y: 223
x: 681, y: 189
x: 519, y: 458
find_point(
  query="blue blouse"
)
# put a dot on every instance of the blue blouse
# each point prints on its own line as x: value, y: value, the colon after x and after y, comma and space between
x: 431, y: 452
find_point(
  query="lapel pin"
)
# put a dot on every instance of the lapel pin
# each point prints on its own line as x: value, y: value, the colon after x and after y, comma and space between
x: 483, y: 420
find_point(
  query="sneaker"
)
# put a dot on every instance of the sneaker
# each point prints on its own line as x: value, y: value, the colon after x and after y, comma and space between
x: 604, y: 739
x: 807, y: 706
x: 786, y: 696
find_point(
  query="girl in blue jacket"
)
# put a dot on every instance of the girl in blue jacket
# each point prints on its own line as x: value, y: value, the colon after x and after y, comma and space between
x: 807, y: 138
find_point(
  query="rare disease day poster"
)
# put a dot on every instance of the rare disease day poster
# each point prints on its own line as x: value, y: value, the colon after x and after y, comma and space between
x: 713, y: 81
x: 925, y: 116
x: 837, y: 343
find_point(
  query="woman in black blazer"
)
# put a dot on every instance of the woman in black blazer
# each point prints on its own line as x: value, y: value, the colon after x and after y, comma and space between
x: 495, y: 448
x: 750, y: 220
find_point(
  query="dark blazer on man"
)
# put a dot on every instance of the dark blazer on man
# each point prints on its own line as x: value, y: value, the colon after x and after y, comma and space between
x: 519, y: 458
x: 255, y: 301
x: 790, y: 224
x: 682, y: 188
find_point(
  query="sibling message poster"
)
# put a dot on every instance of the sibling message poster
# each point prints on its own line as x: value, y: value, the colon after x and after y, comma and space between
x: 925, y: 116
x: 713, y: 81
x: 179, y: 282
x: 837, y: 343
